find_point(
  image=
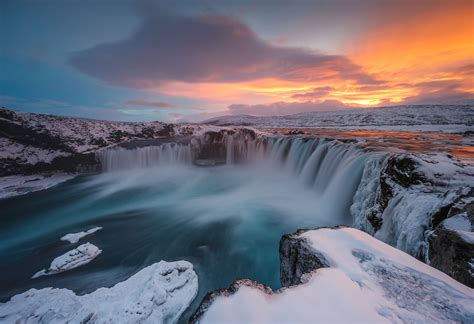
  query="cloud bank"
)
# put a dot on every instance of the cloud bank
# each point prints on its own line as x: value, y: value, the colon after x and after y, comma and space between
x: 175, y: 48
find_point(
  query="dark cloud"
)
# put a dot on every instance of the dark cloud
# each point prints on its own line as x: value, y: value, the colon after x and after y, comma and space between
x: 168, y: 47
x: 315, y: 93
x: 285, y: 108
x: 146, y: 103
x: 440, y: 92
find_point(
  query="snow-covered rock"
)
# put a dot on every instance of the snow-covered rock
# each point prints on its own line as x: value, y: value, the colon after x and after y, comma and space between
x: 77, y: 257
x: 403, y: 197
x: 75, y: 237
x: 365, y: 280
x: 426, y: 118
x: 159, y: 293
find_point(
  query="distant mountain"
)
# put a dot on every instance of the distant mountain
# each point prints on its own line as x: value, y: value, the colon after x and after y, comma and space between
x: 447, y: 118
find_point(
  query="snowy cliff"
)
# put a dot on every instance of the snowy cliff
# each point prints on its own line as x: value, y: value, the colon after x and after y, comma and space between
x: 343, y: 275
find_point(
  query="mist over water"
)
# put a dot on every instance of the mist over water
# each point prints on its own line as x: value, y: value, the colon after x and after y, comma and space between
x: 227, y: 220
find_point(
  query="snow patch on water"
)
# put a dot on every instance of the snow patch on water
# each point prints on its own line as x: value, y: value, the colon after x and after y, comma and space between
x: 77, y: 257
x: 75, y: 237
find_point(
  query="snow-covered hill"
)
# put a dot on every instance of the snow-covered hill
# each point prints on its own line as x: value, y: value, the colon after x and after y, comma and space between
x: 437, y: 118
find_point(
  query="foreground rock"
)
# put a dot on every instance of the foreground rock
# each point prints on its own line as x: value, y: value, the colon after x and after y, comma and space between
x: 364, y: 280
x: 157, y: 294
x: 77, y: 257
x: 451, y: 248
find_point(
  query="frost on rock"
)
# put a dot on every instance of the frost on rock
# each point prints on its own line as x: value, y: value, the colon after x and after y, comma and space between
x: 77, y: 257
x: 402, y: 198
x: 158, y: 293
x: 75, y: 237
x: 361, y: 280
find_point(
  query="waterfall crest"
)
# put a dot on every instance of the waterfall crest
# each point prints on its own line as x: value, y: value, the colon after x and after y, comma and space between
x: 144, y: 157
x: 335, y: 170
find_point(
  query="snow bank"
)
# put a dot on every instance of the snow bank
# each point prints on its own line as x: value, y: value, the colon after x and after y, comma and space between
x: 77, y: 257
x: 75, y: 237
x: 16, y: 185
x: 157, y: 294
x: 367, y: 281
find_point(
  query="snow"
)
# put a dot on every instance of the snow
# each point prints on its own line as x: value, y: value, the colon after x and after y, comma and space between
x: 461, y: 225
x: 26, y: 153
x: 79, y: 134
x: 427, y: 118
x: 77, y: 257
x: 367, y: 281
x: 75, y: 237
x: 159, y: 293
x: 459, y: 222
x: 16, y: 185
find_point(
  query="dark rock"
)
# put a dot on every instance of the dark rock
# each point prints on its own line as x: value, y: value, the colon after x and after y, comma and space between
x: 294, y: 132
x: 402, y: 169
x: 451, y: 254
x: 297, y: 258
x: 232, y: 289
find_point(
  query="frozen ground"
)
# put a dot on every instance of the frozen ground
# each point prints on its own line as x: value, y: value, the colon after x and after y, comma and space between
x: 366, y: 281
x: 428, y: 118
x: 157, y: 294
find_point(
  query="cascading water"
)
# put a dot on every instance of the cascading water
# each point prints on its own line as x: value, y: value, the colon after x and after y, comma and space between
x: 332, y: 168
x: 144, y: 157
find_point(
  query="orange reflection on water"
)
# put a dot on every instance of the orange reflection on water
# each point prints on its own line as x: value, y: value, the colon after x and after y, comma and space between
x: 458, y: 145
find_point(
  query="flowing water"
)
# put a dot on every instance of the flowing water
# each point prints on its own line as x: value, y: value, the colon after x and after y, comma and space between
x: 154, y: 204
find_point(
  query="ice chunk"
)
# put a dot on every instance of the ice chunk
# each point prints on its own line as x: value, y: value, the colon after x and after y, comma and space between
x: 77, y: 257
x: 75, y: 237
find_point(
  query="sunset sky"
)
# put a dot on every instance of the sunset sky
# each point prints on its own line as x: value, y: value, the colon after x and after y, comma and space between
x: 191, y: 60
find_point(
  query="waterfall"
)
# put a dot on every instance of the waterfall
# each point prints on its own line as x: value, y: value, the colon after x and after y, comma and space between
x: 144, y: 157
x: 338, y: 172
x: 335, y: 170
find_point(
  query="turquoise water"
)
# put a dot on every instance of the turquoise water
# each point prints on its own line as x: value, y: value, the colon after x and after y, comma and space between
x: 226, y: 220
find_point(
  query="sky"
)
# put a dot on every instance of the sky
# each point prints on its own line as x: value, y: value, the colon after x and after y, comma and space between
x: 191, y: 60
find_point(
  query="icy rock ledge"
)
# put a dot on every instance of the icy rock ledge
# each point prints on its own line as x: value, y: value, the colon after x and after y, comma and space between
x: 77, y: 257
x: 158, y: 293
x: 358, y: 279
x: 75, y: 237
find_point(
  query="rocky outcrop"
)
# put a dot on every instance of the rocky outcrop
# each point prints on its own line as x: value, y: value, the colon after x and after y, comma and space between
x: 211, y: 147
x: 370, y: 280
x: 297, y: 258
x: 159, y: 293
x: 406, y: 201
x: 451, y: 243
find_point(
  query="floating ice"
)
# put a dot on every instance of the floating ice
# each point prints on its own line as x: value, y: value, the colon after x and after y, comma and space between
x: 77, y: 257
x: 75, y: 237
